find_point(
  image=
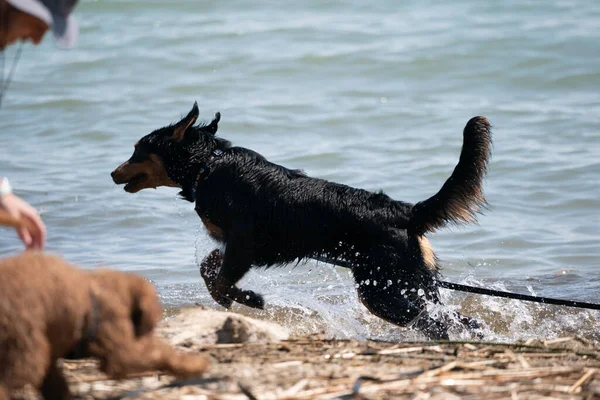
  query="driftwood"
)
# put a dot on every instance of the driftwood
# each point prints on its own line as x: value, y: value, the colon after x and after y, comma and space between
x: 251, y: 362
x: 315, y: 368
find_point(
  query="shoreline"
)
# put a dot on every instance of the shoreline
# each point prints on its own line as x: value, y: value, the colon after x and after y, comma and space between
x: 252, y: 362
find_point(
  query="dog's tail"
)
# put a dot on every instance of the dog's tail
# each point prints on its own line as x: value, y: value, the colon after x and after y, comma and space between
x: 461, y: 197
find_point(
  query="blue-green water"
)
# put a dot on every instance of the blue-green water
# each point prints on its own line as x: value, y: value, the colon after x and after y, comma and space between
x: 374, y: 95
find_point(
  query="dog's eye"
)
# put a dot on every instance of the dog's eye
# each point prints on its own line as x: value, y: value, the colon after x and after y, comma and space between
x: 138, y: 156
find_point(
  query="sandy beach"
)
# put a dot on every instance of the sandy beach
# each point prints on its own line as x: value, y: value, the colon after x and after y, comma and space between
x: 248, y: 365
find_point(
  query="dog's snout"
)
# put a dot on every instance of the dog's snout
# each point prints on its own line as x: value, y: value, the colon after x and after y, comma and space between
x: 117, y: 174
x: 114, y: 174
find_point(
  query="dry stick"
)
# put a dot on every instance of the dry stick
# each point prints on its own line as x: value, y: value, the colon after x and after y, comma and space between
x: 174, y: 384
x: 514, y: 346
x: 312, y: 393
x: 434, y: 372
x: 481, y: 365
x: 558, y: 340
x: 223, y: 346
x: 246, y: 392
x: 581, y: 380
x: 467, y: 379
x: 545, y: 355
x: 100, y: 378
x: 454, y: 380
x: 400, y: 350
x: 501, y: 374
x: 298, y: 386
x: 523, y: 361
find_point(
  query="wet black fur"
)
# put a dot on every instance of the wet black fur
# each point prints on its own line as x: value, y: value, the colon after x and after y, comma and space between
x: 270, y: 215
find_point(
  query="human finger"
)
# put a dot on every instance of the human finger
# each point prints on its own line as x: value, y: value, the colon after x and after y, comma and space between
x: 25, y: 237
x: 37, y: 230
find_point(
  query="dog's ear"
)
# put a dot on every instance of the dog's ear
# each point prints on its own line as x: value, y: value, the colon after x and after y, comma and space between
x: 214, y: 124
x: 145, y: 307
x: 180, y: 127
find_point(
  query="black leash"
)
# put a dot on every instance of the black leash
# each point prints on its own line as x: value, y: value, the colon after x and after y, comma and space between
x: 516, y: 296
x: 487, y: 292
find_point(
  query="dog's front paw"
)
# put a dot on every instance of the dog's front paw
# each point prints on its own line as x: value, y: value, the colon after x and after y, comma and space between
x: 186, y: 366
x: 250, y: 299
x: 222, y: 300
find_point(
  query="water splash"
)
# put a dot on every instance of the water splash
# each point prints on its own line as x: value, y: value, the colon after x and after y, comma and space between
x: 315, y: 298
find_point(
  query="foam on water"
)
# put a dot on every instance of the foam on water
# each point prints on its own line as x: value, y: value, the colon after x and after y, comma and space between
x: 312, y: 298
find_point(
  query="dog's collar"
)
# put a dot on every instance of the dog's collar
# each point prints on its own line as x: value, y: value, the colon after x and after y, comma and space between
x: 90, y: 331
x: 205, y: 170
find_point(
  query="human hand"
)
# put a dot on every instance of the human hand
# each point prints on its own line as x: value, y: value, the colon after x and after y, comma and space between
x: 32, y: 230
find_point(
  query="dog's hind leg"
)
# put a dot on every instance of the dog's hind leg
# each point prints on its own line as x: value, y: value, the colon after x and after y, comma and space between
x: 26, y: 360
x: 395, y: 295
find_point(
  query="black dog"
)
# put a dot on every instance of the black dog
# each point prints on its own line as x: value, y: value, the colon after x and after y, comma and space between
x: 266, y: 215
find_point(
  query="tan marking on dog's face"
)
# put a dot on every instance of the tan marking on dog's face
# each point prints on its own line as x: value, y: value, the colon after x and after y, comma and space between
x: 213, y: 230
x: 150, y: 173
x: 427, y: 251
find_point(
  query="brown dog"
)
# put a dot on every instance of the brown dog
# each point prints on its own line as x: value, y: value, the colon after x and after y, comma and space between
x: 50, y: 309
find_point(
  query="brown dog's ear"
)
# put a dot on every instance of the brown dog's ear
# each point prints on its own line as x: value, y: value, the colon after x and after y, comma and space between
x: 214, y: 124
x: 145, y: 308
x: 180, y: 127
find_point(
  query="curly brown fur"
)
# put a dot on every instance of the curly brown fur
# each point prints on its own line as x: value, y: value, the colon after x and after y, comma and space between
x: 50, y: 309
